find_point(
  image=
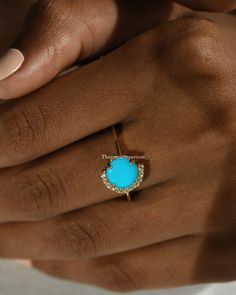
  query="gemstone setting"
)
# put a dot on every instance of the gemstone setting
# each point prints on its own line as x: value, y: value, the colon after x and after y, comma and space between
x: 123, y: 175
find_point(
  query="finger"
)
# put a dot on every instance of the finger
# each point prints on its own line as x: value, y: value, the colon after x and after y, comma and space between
x: 181, y: 262
x: 85, y: 101
x: 210, y: 5
x: 61, y: 182
x: 68, y: 109
x: 73, y: 106
x: 57, y: 33
x: 64, y: 181
x: 110, y: 227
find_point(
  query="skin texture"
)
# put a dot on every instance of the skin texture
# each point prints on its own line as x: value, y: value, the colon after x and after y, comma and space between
x: 70, y: 30
x: 211, y: 5
x: 173, y: 88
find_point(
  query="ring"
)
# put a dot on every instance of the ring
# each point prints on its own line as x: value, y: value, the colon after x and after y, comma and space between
x: 122, y: 174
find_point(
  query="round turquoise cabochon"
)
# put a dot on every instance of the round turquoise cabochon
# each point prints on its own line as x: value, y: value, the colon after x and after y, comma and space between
x: 122, y: 173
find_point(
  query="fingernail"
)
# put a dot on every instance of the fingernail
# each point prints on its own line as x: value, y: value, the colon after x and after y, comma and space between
x: 10, y: 62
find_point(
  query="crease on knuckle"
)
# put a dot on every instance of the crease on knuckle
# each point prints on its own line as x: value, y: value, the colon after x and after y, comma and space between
x: 22, y: 131
x: 37, y: 194
x: 79, y: 236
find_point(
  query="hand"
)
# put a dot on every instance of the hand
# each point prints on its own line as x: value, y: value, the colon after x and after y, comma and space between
x: 58, y: 33
x: 172, y: 89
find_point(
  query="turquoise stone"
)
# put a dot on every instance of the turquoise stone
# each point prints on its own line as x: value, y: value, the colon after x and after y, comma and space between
x: 122, y: 173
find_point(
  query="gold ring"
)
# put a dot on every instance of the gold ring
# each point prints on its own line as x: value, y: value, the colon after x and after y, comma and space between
x: 123, y: 174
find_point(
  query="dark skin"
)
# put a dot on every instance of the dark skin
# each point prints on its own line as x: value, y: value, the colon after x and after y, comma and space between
x: 174, y: 91
x: 210, y: 5
x: 70, y: 30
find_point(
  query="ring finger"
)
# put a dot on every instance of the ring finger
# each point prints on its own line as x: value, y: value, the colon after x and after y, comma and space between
x: 67, y: 180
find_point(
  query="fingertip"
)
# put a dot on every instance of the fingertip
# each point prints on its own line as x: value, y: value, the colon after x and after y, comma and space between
x: 28, y: 75
x: 10, y: 62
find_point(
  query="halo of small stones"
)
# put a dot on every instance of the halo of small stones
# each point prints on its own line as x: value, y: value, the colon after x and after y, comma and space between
x: 125, y: 190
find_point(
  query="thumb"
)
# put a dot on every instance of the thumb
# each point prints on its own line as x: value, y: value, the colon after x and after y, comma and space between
x: 46, y: 45
x: 59, y: 32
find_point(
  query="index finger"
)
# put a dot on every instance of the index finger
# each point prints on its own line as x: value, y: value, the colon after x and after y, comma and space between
x: 60, y: 33
x: 68, y: 109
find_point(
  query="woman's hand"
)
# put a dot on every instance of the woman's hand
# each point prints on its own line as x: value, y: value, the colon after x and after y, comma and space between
x: 172, y: 89
x: 60, y: 32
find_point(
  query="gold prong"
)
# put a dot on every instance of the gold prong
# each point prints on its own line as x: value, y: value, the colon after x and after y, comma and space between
x: 116, y: 139
x: 128, y: 197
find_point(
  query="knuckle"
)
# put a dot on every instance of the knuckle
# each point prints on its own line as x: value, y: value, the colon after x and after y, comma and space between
x: 196, y: 48
x: 21, y: 132
x: 36, y: 194
x: 79, y: 236
x: 115, y: 275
